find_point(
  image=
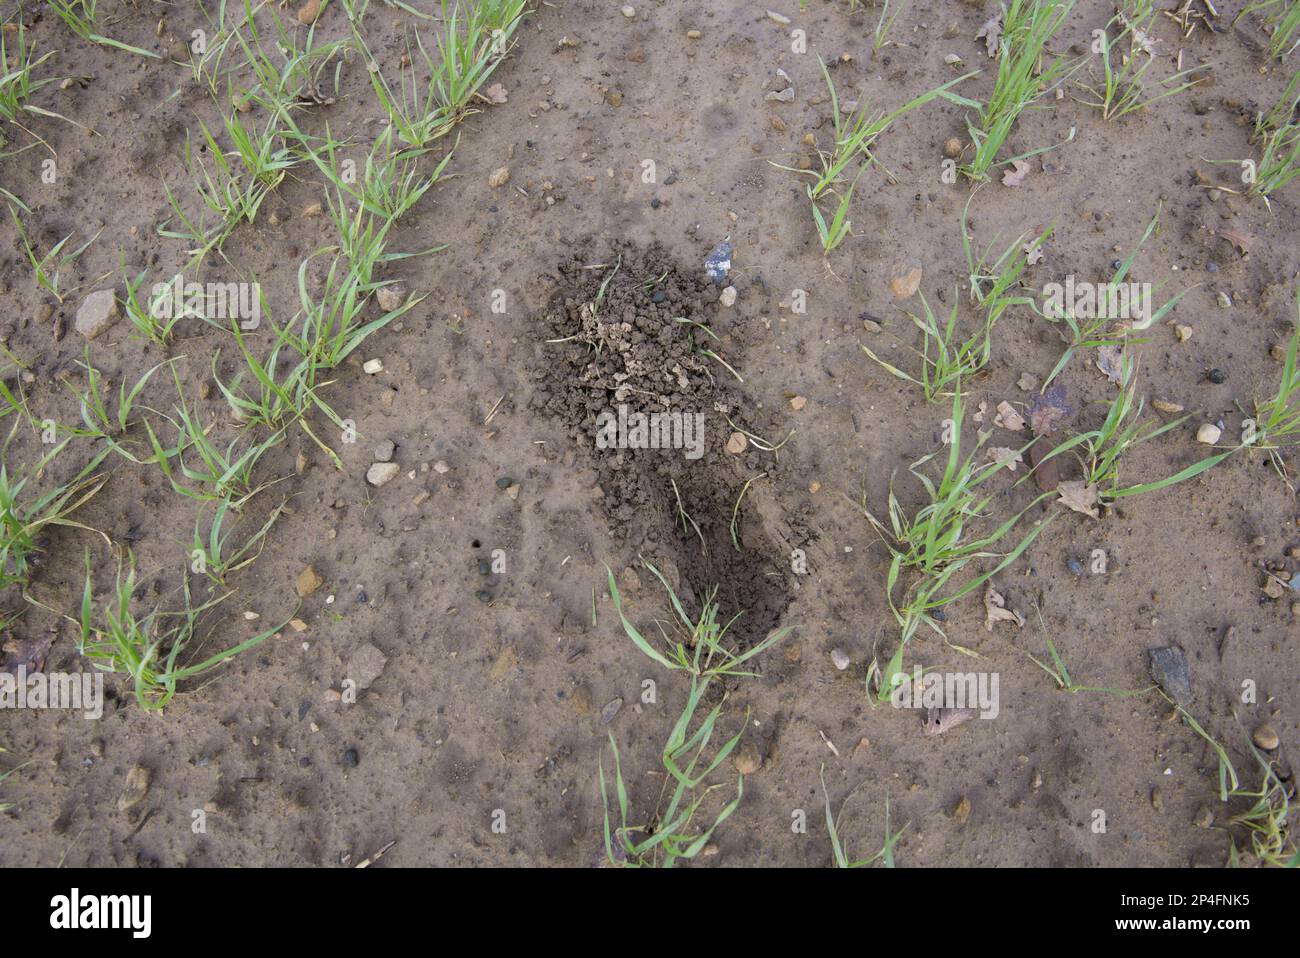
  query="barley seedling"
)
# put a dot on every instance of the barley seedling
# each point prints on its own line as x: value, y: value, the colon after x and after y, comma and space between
x: 148, y: 647
x: 216, y: 472
x: 268, y: 401
x: 290, y: 77
x: 945, y: 359
x: 885, y: 23
x: 332, y: 327
x: 1280, y: 113
x: 99, y: 422
x: 1279, y: 161
x: 150, y: 321
x: 467, y: 58
x: 1061, y: 675
x: 886, y: 853
x: 1124, y: 65
x: 1101, y: 450
x: 18, y: 83
x: 23, y: 524
x: 700, y: 650
x: 49, y: 268
x: 932, y: 544
x: 209, y: 554
x: 1283, y: 25
x: 1027, y: 28
x: 82, y: 18
x: 856, y: 132
x: 1101, y: 329
x: 994, y: 281
x: 1266, y: 822
x: 670, y: 837
x: 1276, y: 423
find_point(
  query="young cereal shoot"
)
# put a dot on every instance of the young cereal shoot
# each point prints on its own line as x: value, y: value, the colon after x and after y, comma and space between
x: 215, y: 556
x: 148, y: 647
x: 1108, y: 319
x: 24, y: 524
x: 699, y: 650
x: 1279, y: 161
x: 1125, y: 60
x: 151, y: 321
x: 670, y: 837
x: 995, y: 283
x: 1026, y: 73
x: 1266, y: 822
x: 82, y: 17
x: 1282, y: 24
x: 880, y: 35
x: 18, y: 82
x: 886, y: 853
x: 471, y: 46
x: 50, y: 267
x: 214, y: 473
x: 945, y: 359
x: 1101, y: 450
x: 933, y: 545
x: 1276, y: 423
x: 857, y: 132
x: 98, y: 422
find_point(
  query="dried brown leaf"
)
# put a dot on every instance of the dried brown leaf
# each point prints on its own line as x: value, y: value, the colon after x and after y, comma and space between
x: 1079, y: 496
x: 1008, y: 417
x: 1016, y: 175
x: 995, y: 609
x: 991, y: 33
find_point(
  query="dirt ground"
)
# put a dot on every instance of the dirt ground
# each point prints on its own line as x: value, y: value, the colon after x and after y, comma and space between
x: 491, y: 706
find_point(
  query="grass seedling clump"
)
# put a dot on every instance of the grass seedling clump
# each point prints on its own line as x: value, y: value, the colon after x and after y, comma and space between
x: 1125, y: 59
x: 1282, y: 24
x: 1027, y: 27
x: 855, y: 136
x: 1276, y: 424
x: 698, y: 650
x: 23, y: 524
x: 1101, y: 450
x: 147, y: 647
x: 82, y: 17
x: 933, y: 543
x: 50, y: 267
x: 946, y: 359
x: 1101, y: 329
x: 886, y: 853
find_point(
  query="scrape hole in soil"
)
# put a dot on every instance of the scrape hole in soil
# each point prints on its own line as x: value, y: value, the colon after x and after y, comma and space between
x: 627, y: 331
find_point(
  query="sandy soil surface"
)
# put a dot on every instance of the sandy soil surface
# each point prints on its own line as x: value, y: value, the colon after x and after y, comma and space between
x: 471, y: 590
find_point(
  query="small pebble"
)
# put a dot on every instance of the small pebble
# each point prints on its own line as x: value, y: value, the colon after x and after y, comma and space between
x: 1208, y: 434
x: 747, y: 760
x: 1265, y: 737
x: 351, y: 758
x: 840, y: 658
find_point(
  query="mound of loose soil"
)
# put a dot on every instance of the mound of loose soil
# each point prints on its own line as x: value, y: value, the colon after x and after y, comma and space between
x: 627, y: 327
